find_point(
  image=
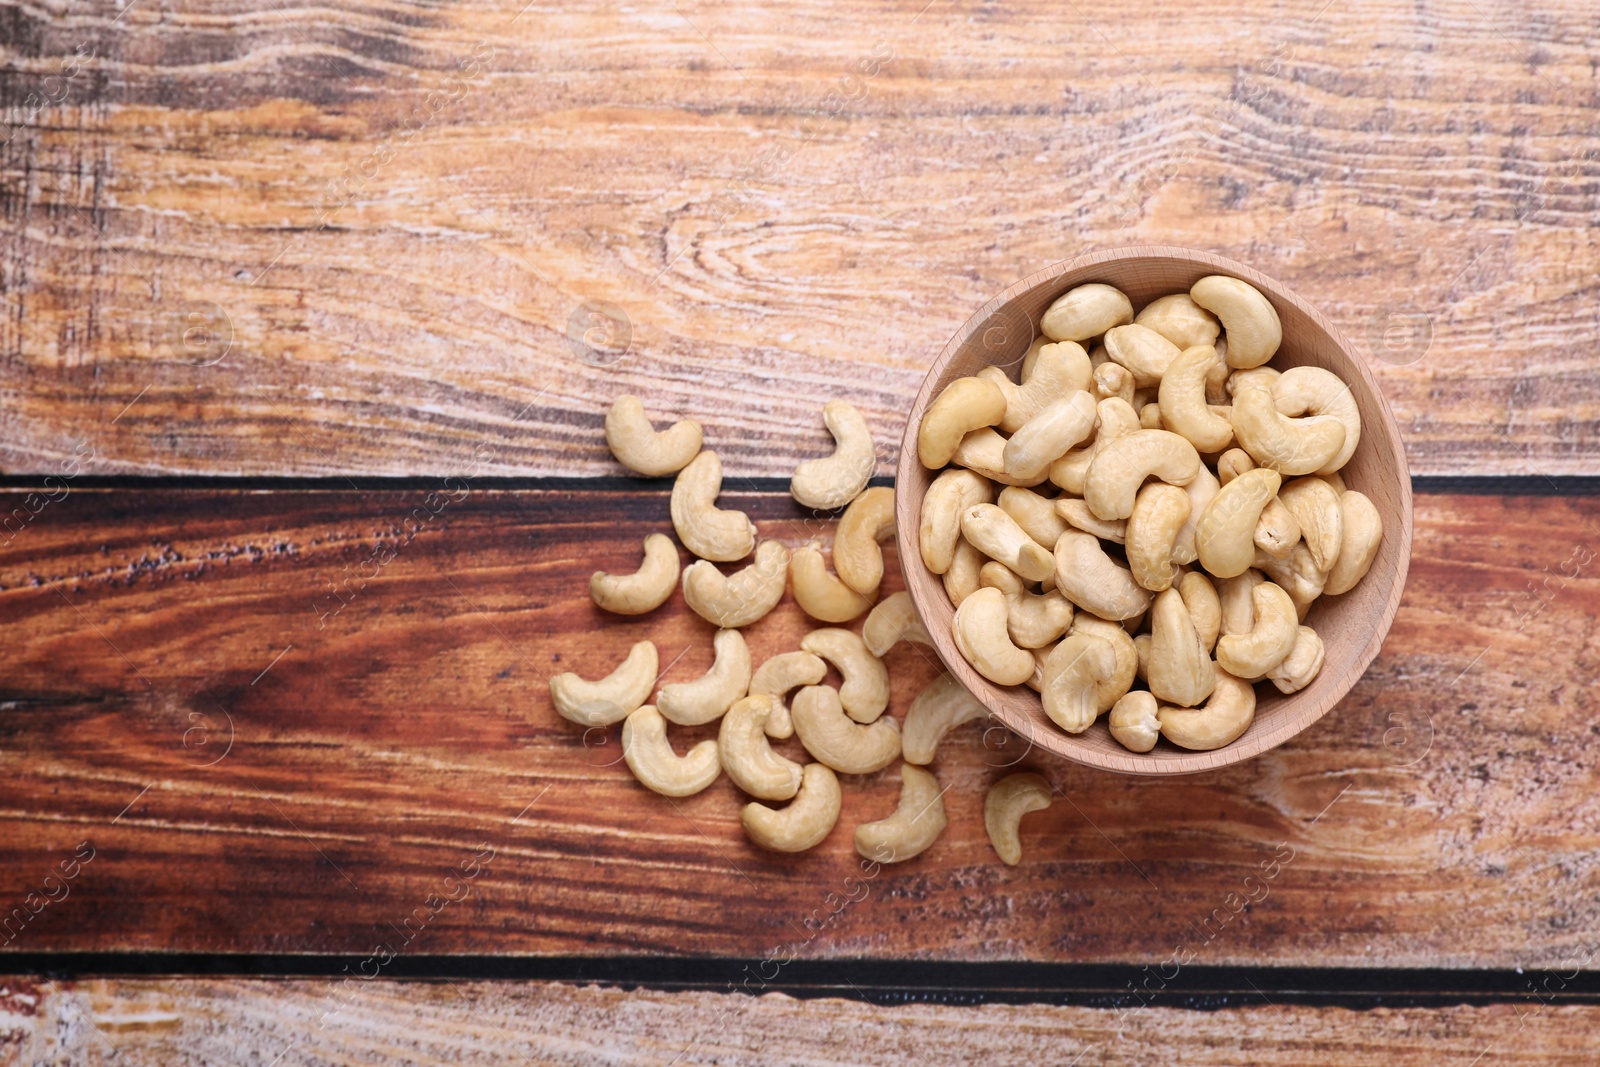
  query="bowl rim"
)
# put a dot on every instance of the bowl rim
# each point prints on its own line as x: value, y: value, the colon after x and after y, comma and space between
x: 1064, y: 745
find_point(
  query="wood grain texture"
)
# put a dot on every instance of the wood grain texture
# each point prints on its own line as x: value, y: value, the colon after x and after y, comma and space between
x: 393, y: 215
x: 200, y: 1021
x: 1431, y: 819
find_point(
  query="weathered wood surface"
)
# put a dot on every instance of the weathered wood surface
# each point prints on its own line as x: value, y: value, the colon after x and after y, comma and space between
x: 318, y: 1022
x: 391, y: 218
x: 1436, y: 817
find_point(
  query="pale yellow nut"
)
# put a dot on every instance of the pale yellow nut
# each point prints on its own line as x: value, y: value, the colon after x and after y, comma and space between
x: 1277, y: 530
x: 1180, y: 670
x: 939, y: 526
x: 1271, y: 637
x: 1362, y: 534
x: 1180, y: 320
x: 1301, y: 666
x: 965, y: 405
x: 1201, y: 491
x: 1288, y: 446
x: 740, y: 598
x: 961, y: 580
x: 1182, y: 397
x: 895, y: 619
x: 943, y: 704
x: 610, y: 699
x: 1232, y: 463
x: 650, y: 757
x: 1220, y: 722
x: 1319, y: 514
x: 748, y: 757
x: 1085, y: 311
x: 1036, y: 514
x: 1056, y: 370
x: 1159, y: 512
x: 835, y: 480
x: 780, y: 674
x: 1205, y: 607
x: 1314, y: 391
x: 1134, y: 723
x: 1298, y: 576
x: 864, y: 693
x: 982, y: 637
x: 1113, y: 381
x: 996, y: 534
x: 983, y: 451
x: 1094, y: 581
x: 1238, y: 607
x: 1107, y: 691
x: 646, y: 588
x: 1076, y: 514
x: 819, y: 592
x: 708, y: 696
x: 1032, y: 619
x: 805, y: 823
x: 916, y: 824
x: 1070, y: 676
x: 1252, y: 324
x: 706, y: 530
x: 1145, y: 353
x: 1046, y: 437
x: 1122, y: 465
x: 1224, y: 536
x: 832, y: 737
x: 1007, y: 802
x: 639, y: 447
x: 856, y: 555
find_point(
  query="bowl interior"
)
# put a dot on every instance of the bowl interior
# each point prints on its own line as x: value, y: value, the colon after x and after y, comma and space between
x: 1352, y: 625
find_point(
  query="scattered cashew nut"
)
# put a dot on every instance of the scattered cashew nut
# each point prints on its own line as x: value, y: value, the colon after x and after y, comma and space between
x: 835, y: 480
x: 856, y: 555
x: 917, y: 822
x: 807, y: 820
x: 650, y: 757
x: 713, y: 693
x: 1008, y: 801
x: 831, y: 737
x: 895, y: 619
x: 637, y: 446
x: 748, y: 757
x: 610, y: 699
x: 740, y: 598
x: 943, y: 704
x: 819, y: 592
x: 646, y: 588
x: 706, y: 530
x: 865, y: 691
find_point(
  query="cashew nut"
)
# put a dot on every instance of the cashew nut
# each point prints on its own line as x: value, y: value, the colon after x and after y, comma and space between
x: 1180, y: 320
x: 1076, y: 513
x: 1288, y: 446
x: 1159, y: 511
x: 1232, y: 463
x: 1183, y: 405
x: 1298, y: 576
x: 1048, y: 435
x: 777, y: 676
x: 646, y: 588
x: 1220, y: 722
x: 1254, y: 330
x: 961, y: 580
x: 1008, y: 801
x: 1277, y: 530
x: 1238, y: 608
x: 830, y: 736
x: 1032, y: 619
x: 637, y: 446
x: 943, y: 704
x: 834, y: 481
x: 1108, y: 691
x: 1036, y: 514
x: 1302, y: 663
x: 818, y: 592
x: 711, y: 694
x: 1363, y: 533
x: 1314, y: 391
x: 952, y: 492
x: 740, y: 598
x: 1113, y: 381
x: 1202, y: 490
x: 1271, y: 637
x: 1225, y: 535
x: 1070, y: 676
x: 1085, y: 311
x: 865, y: 691
x: 982, y: 637
x: 1205, y: 607
x: 1319, y: 513
x: 1122, y: 465
x: 1056, y: 370
x: 997, y: 535
x: 1145, y: 353
x: 807, y: 820
x: 917, y: 822
x: 746, y: 754
x: 1133, y: 721
x: 1180, y: 670
x: 1094, y: 581
x: 965, y: 405
x: 895, y: 619
x: 983, y: 451
x: 706, y: 530
x: 856, y: 555
x: 610, y: 699
x: 650, y: 757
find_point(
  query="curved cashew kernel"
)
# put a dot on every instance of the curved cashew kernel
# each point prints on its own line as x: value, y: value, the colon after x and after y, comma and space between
x: 943, y: 704
x: 1288, y: 446
x: 1277, y: 530
x: 1141, y: 647
x: 1201, y: 492
x: 807, y: 820
x: 1072, y: 672
x: 1008, y: 801
x: 1036, y: 514
x: 1076, y: 513
x: 1145, y: 353
x: 1254, y: 330
x: 1134, y: 723
x: 1363, y: 533
x: 939, y: 527
x: 1094, y: 581
x: 1159, y: 512
x: 1224, y: 536
x: 1238, y: 607
x: 646, y: 588
x: 1270, y: 639
x: 982, y: 637
x: 1085, y: 311
x: 895, y: 619
x: 1314, y: 391
x: 1032, y: 619
x: 637, y: 446
x: 961, y: 580
x: 1180, y: 320
x: 1180, y: 669
x: 834, y: 481
x: 820, y: 594
x: 1108, y: 691
x: 965, y: 405
x: 740, y: 598
x: 1122, y: 465
x: 856, y: 555
x: 864, y: 693
x: 1113, y: 381
x: 1232, y: 463
x: 1047, y: 436
x: 1057, y: 370
x: 610, y: 699
x: 997, y: 535
x: 1225, y: 716
x: 1182, y: 399
x: 829, y: 735
x: 1205, y: 607
x: 650, y: 757
x: 780, y: 674
x: 917, y: 822
x: 706, y: 530
x: 711, y: 694
x: 746, y: 755
x: 983, y: 451
x: 1301, y: 665
x: 1319, y: 513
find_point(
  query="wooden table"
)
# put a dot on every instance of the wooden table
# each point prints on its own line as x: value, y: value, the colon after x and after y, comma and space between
x: 311, y: 317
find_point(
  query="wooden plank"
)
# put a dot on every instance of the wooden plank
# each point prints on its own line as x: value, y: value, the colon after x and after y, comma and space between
x: 395, y: 222
x: 377, y: 749
x: 199, y: 1021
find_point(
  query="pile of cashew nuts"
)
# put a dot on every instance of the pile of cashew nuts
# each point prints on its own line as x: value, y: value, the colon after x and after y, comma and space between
x: 843, y: 729
x: 1200, y: 513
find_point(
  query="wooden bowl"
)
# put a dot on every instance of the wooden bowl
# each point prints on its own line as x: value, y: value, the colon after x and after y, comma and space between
x: 1352, y: 625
